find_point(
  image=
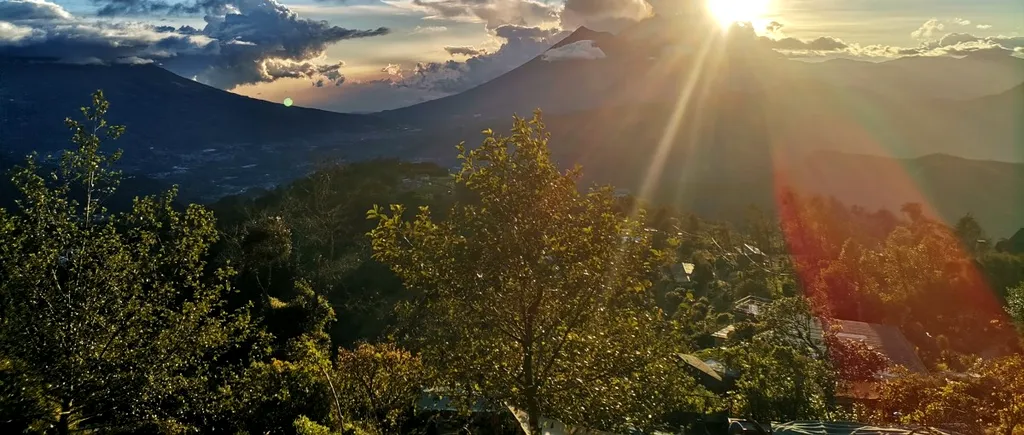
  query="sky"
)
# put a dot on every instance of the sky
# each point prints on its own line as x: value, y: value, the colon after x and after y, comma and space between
x: 369, y: 55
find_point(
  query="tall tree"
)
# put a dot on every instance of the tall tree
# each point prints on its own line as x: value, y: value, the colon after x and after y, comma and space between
x: 109, y: 318
x: 535, y: 295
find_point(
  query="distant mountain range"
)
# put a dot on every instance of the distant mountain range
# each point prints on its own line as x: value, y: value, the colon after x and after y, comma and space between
x: 177, y: 129
x: 875, y: 134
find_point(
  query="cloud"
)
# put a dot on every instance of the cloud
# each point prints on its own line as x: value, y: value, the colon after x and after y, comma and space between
x: 429, y: 80
x: 773, y: 27
x: 428, y: 29
x: 951, y: 44
x: 243, y: 41
x: 984, y: 26
x: 19, y: 10
x: 961, y: 21
x: 465, y: 51
x: 929, y: 29
x: 579, y: 50
x: 520, y: 45
x: 824, y: 43
x: 603, y: 15
x: 494, y: 13
x: 15, y: 35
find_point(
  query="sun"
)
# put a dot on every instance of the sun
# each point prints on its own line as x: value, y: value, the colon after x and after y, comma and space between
x: 727, y: 12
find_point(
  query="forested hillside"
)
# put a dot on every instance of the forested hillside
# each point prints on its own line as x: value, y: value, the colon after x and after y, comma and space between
x: 392, y: 297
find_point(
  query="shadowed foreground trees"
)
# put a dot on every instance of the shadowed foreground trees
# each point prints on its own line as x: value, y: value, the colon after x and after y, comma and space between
x: 108, y: 320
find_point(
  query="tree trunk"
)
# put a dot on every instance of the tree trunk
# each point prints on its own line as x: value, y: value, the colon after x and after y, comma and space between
x: 64, y: 422
x: 532, y: 402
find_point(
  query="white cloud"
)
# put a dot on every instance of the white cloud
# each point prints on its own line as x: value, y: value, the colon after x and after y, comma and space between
x: 494, y: 13
x: 929, y: 29
x: 428, y: 29
x: 961, y: 21
x: 18, y: 10
x: 12, y: 34
x: 579, y: 50
x: 984, y: 26
x: 430, y: 80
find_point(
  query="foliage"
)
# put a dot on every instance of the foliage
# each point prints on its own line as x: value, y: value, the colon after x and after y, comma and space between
x: 96, y: 306
x: 381, y: 383
x: 1015, y: 305
x: 783, y: 370
x: 779, y: 383
x: 537, y: 294
x: 315, y: 230
x: 304, y: 426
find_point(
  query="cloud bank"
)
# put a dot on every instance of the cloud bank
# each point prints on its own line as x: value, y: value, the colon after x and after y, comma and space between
x: 243, y: 41
x: 933, y: 41
x: 579, y: 50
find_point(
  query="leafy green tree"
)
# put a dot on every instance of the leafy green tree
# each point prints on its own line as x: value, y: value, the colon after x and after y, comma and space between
x: 779, y: 382
x: 535, y: 295
x: 109, y: 319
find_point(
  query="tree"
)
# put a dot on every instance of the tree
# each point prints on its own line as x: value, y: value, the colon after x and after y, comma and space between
x: 969, y: 231
x: 382, y: 382
x: 109, y: 318
x: 779, y: 382
x: 536, y: 294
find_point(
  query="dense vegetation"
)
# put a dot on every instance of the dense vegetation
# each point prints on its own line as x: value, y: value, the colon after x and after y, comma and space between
x: 392, y: 297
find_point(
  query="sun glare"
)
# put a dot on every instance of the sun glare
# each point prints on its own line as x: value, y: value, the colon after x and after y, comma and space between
x: 727, y: 12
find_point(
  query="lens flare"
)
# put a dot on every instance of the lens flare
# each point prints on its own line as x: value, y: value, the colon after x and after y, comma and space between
x: 729, y: 12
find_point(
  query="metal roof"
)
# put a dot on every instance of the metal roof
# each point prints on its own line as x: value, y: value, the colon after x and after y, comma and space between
x: 847, y: 428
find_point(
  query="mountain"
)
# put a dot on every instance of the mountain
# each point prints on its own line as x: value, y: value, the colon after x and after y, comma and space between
x: 951, y: 186
x: 560, y: 86
x: 209, y: 140
x: 718, y: 131
x: 965, y: 78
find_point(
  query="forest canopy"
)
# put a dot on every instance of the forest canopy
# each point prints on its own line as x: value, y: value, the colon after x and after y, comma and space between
x: 394, y: 297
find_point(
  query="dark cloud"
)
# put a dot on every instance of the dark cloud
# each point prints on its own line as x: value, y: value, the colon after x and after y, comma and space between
x: 773, y: 27
x: 604, y: 15
x: 464, y: 51
x: 243, y: 42
x: 19, y: 10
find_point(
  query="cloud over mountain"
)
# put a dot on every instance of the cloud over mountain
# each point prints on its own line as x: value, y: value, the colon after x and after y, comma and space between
x: 243, y: 41
x: 603, y: 15
x: 933, y: 42
x: 430, y: 80
x: 579, y: 50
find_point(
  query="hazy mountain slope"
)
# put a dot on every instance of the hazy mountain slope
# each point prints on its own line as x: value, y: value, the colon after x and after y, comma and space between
x: 162, y: 109
x: 177, y: 129
x: 923, y: 76
x: 951, y: 186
